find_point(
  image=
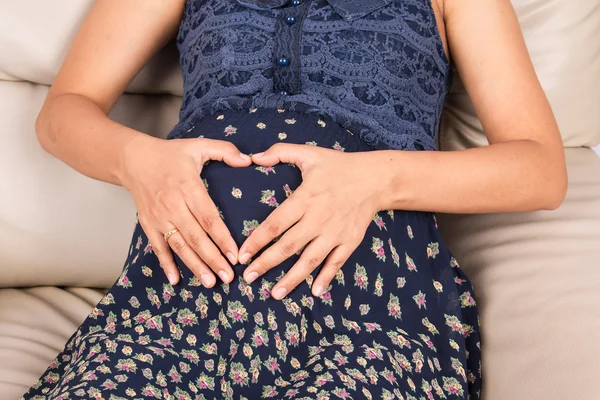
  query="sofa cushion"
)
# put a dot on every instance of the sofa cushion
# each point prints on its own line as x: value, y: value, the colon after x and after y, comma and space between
x: 35, y: 37
x: 35, y: 324
x: 58, y: 227
x: 563, y: 42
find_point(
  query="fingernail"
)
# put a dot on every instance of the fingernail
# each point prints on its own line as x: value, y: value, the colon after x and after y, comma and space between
x: 206, y: 280
x: 231, y: 258
x: 224, y: 277
x: 172, y: 278
x: 258, y: 154
x: 244, y: 156
x: 319, y: 290
x: 244, y: 258
x: 251, y: 276
x: 280, y: 293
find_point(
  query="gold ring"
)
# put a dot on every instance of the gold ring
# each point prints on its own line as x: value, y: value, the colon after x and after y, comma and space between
x: 169, y: 233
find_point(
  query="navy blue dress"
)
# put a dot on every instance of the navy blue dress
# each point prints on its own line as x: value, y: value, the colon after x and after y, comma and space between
x: 399, y: 321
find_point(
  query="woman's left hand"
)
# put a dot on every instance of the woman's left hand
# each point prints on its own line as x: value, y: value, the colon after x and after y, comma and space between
x: 330, y: 211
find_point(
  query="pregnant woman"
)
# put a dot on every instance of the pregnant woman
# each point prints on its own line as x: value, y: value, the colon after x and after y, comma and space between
x: 286, y: 245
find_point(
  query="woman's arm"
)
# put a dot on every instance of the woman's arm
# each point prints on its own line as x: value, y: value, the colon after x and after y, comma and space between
x: 112, y: 45
x: 523, y: 168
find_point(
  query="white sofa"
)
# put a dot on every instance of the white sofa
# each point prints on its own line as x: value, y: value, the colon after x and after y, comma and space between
x: 64, y: 237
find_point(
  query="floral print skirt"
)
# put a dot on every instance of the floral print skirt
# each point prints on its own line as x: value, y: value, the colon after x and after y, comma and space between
x: 399, y: 321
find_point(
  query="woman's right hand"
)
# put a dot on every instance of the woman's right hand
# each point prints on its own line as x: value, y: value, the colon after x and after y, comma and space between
x: 163, y: 177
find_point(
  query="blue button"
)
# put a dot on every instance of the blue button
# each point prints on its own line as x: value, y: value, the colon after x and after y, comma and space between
x: 296, y: 2
x: 283, y: 61
x: 290, y: 20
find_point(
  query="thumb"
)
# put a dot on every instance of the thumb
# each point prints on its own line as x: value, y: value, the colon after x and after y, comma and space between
x: 222, y: 150
x: 298, y: 154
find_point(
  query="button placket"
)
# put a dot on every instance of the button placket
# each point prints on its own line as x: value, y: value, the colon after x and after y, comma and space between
x: 286, y: 77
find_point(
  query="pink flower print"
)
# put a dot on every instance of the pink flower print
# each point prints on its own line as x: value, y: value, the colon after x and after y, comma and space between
x: 438, y: 286
x: 282, y: 135
x: 237, y: 311
x: 321, y: 123
x: 326, y: 297
x: 236, y: 192
x: 269, y: 391
x: 148, y: 248
x: 230, y: 130
x: 453, y: 322
x: 146, y: 271
x: 452, y: 386
x: 378, y: 286
x: 400, y: 281
x: 268, y: 198
x: 350, y: 325
x: 186, y: 317
x: 410, y: 232
x: 347, y: 302
x: 261, y: 125
x: 339, y: 277
x: 337, y: 146
x: 434, y: 220
x: 260, y: 337
x: 394, y: 307
x: 247, y: 350
x: 372, y: 326
x: 454, y: 345
x: 419, y: 298
x: 265, y: 170
x: 311, y: 143
x: 458, y: 367
x: 252, y: 110
x: 220, y: 116
x: 364, y: 309
x: 427, y: 340
x: 429, y: 326
x: 191, y: 339
x: 459, y: 281
x: 138, y: 244
x: 292, y: 334
x: 433, y: 249
x: 466, y: 300
x: 238, y: 374
x: 280, y: 110
x: 291, y: 121
x: 205, y: 382
x: 379, y: 222
x: 453, y: 262
x: 377, y: 248
x: 329, y: 322
x: 360, y: 277
x: 410, y: 263
x: 124, y: 280
x: 249, y: 227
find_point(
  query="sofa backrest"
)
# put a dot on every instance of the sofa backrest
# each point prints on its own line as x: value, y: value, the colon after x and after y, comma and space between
x: 58, y: 227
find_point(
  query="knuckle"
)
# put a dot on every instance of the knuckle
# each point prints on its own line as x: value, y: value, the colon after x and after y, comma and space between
x: 195, y: 240
x: 336, y: 264
x: 286, y: 248
x: 313, y: 262
x: 178, y: 245
x: 272, y: 228
x: 207, y: 222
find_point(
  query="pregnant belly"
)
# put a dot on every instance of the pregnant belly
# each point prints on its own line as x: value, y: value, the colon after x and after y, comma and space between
x: 246, y: 196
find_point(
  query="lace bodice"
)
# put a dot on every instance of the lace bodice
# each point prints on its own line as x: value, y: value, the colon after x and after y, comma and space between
x: 377, y: 67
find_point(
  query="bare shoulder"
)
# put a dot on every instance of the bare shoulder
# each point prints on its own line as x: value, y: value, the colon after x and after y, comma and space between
x: 115, y: 40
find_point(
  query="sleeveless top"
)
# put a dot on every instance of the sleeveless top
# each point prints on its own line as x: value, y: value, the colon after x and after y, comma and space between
x: 377, y: 67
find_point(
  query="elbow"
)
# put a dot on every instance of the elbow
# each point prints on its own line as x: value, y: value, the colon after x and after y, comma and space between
x: 556, y: 190
x: 43, y: 127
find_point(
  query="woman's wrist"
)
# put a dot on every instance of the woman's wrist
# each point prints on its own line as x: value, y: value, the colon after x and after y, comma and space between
x: 389, y: 175
x: 135, y: 143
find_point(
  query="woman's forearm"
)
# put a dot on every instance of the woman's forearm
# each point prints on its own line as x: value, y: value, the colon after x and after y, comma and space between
x: 74, y: 129
x: 511, y: 176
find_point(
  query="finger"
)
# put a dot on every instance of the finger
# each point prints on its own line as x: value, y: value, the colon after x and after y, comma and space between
x: 191, y: 259
x: 205, y: 212
x: 161, y: 249
x: 312, y: 256
x: 334, y: 262
x: 221, y: 150
x: 298, y: 154
x: 280, y: 220
x: 289, y: 244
